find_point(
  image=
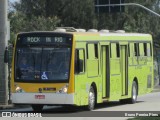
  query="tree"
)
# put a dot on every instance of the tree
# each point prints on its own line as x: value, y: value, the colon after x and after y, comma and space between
x: 134, y: 19
x: 31, y: 7
x: 20, y: 23
x: 75, y: 13
x: 80, y: 14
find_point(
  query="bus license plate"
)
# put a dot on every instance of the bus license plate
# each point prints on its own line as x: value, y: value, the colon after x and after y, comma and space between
x: 39, y: 96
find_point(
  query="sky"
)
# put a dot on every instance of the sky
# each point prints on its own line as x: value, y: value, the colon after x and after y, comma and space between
x: 13, y: 1
x: 10, y: 4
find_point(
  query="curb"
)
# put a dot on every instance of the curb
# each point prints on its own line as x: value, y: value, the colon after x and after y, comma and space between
x: 6, y: 106
x: 156, y: 88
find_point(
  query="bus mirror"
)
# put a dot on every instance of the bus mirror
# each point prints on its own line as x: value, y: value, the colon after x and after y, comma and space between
x: 6, y: 57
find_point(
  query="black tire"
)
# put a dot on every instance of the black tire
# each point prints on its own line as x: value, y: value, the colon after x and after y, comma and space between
x: 91, y: 99
x: 37, y: 107
x: 134, y: 93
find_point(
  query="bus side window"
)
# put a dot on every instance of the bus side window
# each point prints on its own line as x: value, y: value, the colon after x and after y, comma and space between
x: 145, y: 49
x: 149, y: 49
x: 131, y: 51
x: 92, y: 51
x: 141, y: 49
x: 113, y: 50
x: 81, y: 58
x: 80, y: 61
x: 136, y: 49
x: 92, y: 59
x: 96, y: 50
x: 117, y: 50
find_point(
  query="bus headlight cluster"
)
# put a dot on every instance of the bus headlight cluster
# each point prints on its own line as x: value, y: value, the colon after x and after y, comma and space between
x: 19, y: 90
x: 63, y: 89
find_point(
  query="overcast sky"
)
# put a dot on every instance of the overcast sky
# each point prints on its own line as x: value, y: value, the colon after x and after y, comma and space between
x: 13, y: 0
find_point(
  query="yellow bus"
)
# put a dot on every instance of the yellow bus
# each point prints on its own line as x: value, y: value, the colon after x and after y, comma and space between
x: 80, y: 68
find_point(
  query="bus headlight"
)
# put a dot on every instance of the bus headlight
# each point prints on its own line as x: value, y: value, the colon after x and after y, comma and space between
x: 19, y: 90
x: 63, y: 89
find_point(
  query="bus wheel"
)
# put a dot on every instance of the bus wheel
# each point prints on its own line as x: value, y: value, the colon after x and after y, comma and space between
x: 133, y: 99
x: 37, y: 107
x: 91, y: 99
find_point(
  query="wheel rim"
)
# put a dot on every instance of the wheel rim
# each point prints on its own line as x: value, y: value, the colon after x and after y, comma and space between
x: 134, y: 93
x: 91, y: 99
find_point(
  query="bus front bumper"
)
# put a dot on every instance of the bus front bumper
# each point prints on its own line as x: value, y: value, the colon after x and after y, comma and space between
x: 43, y: 98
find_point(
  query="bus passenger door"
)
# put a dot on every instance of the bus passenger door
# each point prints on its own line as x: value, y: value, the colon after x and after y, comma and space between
x: 106, y: 71
x: 124, y: 68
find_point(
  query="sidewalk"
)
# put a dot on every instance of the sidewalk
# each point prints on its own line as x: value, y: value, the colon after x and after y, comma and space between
x: 6, y: 106
x: 12, y: 106
x: 156, y: 88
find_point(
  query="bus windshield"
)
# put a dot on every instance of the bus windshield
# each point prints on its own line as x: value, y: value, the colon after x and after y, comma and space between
x: 40, y: 64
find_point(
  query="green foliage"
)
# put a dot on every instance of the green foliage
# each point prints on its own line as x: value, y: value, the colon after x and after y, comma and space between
x: 32, y: 15
x: 140, y: 20
x: 79, y: 14
x: 20, y: 23
x: 31, y: 7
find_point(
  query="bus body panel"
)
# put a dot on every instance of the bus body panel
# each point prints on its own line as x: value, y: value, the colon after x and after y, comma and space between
x: 134, y: 67
x: 35, y: 88
x: 43, y: 98
x: 95, y: 47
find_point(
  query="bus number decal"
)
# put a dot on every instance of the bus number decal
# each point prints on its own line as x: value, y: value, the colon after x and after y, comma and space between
x: 59, y: 39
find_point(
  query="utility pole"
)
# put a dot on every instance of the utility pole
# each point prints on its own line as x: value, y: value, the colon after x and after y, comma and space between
x: 3, y: 46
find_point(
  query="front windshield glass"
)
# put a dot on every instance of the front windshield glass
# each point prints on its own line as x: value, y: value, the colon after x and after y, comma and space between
x: 42, y: 63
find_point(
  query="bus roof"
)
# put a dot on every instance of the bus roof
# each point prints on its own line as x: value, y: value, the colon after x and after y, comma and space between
x: 91, y: 33
x: 112, y: 36
x: 80, y: 36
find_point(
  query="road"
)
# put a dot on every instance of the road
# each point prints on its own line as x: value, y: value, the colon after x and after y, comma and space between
x: 149, y: 102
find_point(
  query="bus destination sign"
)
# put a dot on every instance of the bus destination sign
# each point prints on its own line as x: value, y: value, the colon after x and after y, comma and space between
x: 45, y: 40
